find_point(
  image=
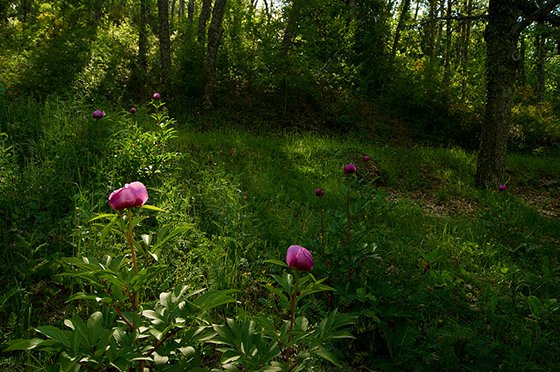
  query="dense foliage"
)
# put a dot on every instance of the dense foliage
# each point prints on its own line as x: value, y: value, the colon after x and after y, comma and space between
x: 345, y: 127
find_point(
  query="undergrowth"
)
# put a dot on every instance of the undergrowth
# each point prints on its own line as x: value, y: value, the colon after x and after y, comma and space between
x: 441, y: 276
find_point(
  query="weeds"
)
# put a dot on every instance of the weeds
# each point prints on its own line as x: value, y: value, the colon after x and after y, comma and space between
x: 438, y: 274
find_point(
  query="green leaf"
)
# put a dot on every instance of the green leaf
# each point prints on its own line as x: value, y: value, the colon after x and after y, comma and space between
x: 213, y: 299
x: 163, y: 236
x: 153, y: 208
x: 56, y: 334
x: 108, y: 216
x: 276, y: 262
x: 30, y: 344
x: 327, y: 355
x: 103, y: 298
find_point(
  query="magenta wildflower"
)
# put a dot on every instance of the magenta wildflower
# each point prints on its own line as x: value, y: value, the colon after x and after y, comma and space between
x: 133, y: 194
x: 319, y: 192
x: 98, y: 114
x: 502, y: 187
x: 365, y: 158
x: 299, y: 258
x: 132, y: 110
x: 350, y: 168
x: 156, y: 96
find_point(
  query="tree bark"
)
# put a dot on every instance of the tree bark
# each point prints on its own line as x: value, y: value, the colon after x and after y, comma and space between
x: 448, y: 46
x: 400, y: 24
x: 540, y: 60
x: 215, y: 32
x: 501, y: 50
x: 203, y: 20
x: 464, y: 59
x: 143, y: 36
x: 164, y: 45
x: 506, y: 20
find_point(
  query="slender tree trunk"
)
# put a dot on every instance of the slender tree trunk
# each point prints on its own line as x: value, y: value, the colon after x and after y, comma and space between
x: 164, y: 45
x: 464, y: 63
x: 400, y: 24
x: 203, y: 20
x: 521, y: 72
x: 143, y: 36
x: 190, y: 12
x: 448, y: 47
x: 540, y: 60
x: 136, y: 83
x: 215, y: 32
x: 292, y: 20
x: 501, y: 50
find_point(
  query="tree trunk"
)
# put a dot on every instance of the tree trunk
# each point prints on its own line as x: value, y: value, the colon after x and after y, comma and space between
x: 466, y: 39
x: 506, y: 20
x: 293, y: 16
x: 214, y: 35
x: 540, y: 59
x: 448, y: 47
x: 143, y: 36
x: 203, y: 20
x: 402, y: 17
x: 164, y: 45
x: 190, y: 12
x: 136, y: 83
x: 501, y: 64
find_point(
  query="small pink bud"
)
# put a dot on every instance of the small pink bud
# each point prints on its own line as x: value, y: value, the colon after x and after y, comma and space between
x: 319, y: 192
x: 132, y: 110
x: 350, y: 168
x: 133, y: 194
x: 299, y: 258
x: 156, y: 96
x: 98, y: 114
x: 365, y: 158
x: 502, y: 187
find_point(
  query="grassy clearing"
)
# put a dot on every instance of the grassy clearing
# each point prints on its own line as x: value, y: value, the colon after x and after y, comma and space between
x: 440, y: 275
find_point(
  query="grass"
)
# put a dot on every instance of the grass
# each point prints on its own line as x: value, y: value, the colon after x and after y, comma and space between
x: 441, y: 275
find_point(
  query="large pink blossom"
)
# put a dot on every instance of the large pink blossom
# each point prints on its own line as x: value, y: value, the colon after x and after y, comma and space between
x: 299, y: 258
x: 133, y: 194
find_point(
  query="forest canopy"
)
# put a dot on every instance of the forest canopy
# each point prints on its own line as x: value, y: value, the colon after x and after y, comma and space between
x: 314, y: 63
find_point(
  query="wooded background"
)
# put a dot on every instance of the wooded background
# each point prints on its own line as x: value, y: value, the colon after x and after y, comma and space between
x: 447, y: 71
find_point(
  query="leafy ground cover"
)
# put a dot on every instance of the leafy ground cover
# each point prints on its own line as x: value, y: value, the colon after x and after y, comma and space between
x: 438, y: 275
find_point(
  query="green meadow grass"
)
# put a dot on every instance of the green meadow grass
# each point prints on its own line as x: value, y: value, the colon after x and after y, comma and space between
x: 441, y: 275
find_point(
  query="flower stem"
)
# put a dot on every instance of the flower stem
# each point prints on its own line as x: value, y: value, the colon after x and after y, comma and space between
x: 348, y: 215
x: 293, y: 298
x: 133, y: 255
x: 322, y: 229
x: 131, y: 242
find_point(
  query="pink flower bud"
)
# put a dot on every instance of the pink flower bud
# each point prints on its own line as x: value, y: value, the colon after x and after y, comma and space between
x: 132, y: 110
x: 156, y: 96
x: 299, y: 258
x: 319, y: 192
x: 133, y: 194
x: 98, y: 114
x: 502, y: 187
x: 365, y: 158
x: 350, y: 168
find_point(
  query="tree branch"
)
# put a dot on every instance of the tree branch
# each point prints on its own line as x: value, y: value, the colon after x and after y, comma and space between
x: 533, y: 14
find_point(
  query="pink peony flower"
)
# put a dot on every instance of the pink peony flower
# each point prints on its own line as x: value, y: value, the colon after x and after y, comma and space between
x: 319, y: 192
x: 133, y: 194
x: 299, y: 258
x: 98, y: 114
x: 350, y: 168
x: 156, y: 96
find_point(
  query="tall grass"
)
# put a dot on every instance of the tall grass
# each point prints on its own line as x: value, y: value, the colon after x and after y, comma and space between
x: 441, y: 275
